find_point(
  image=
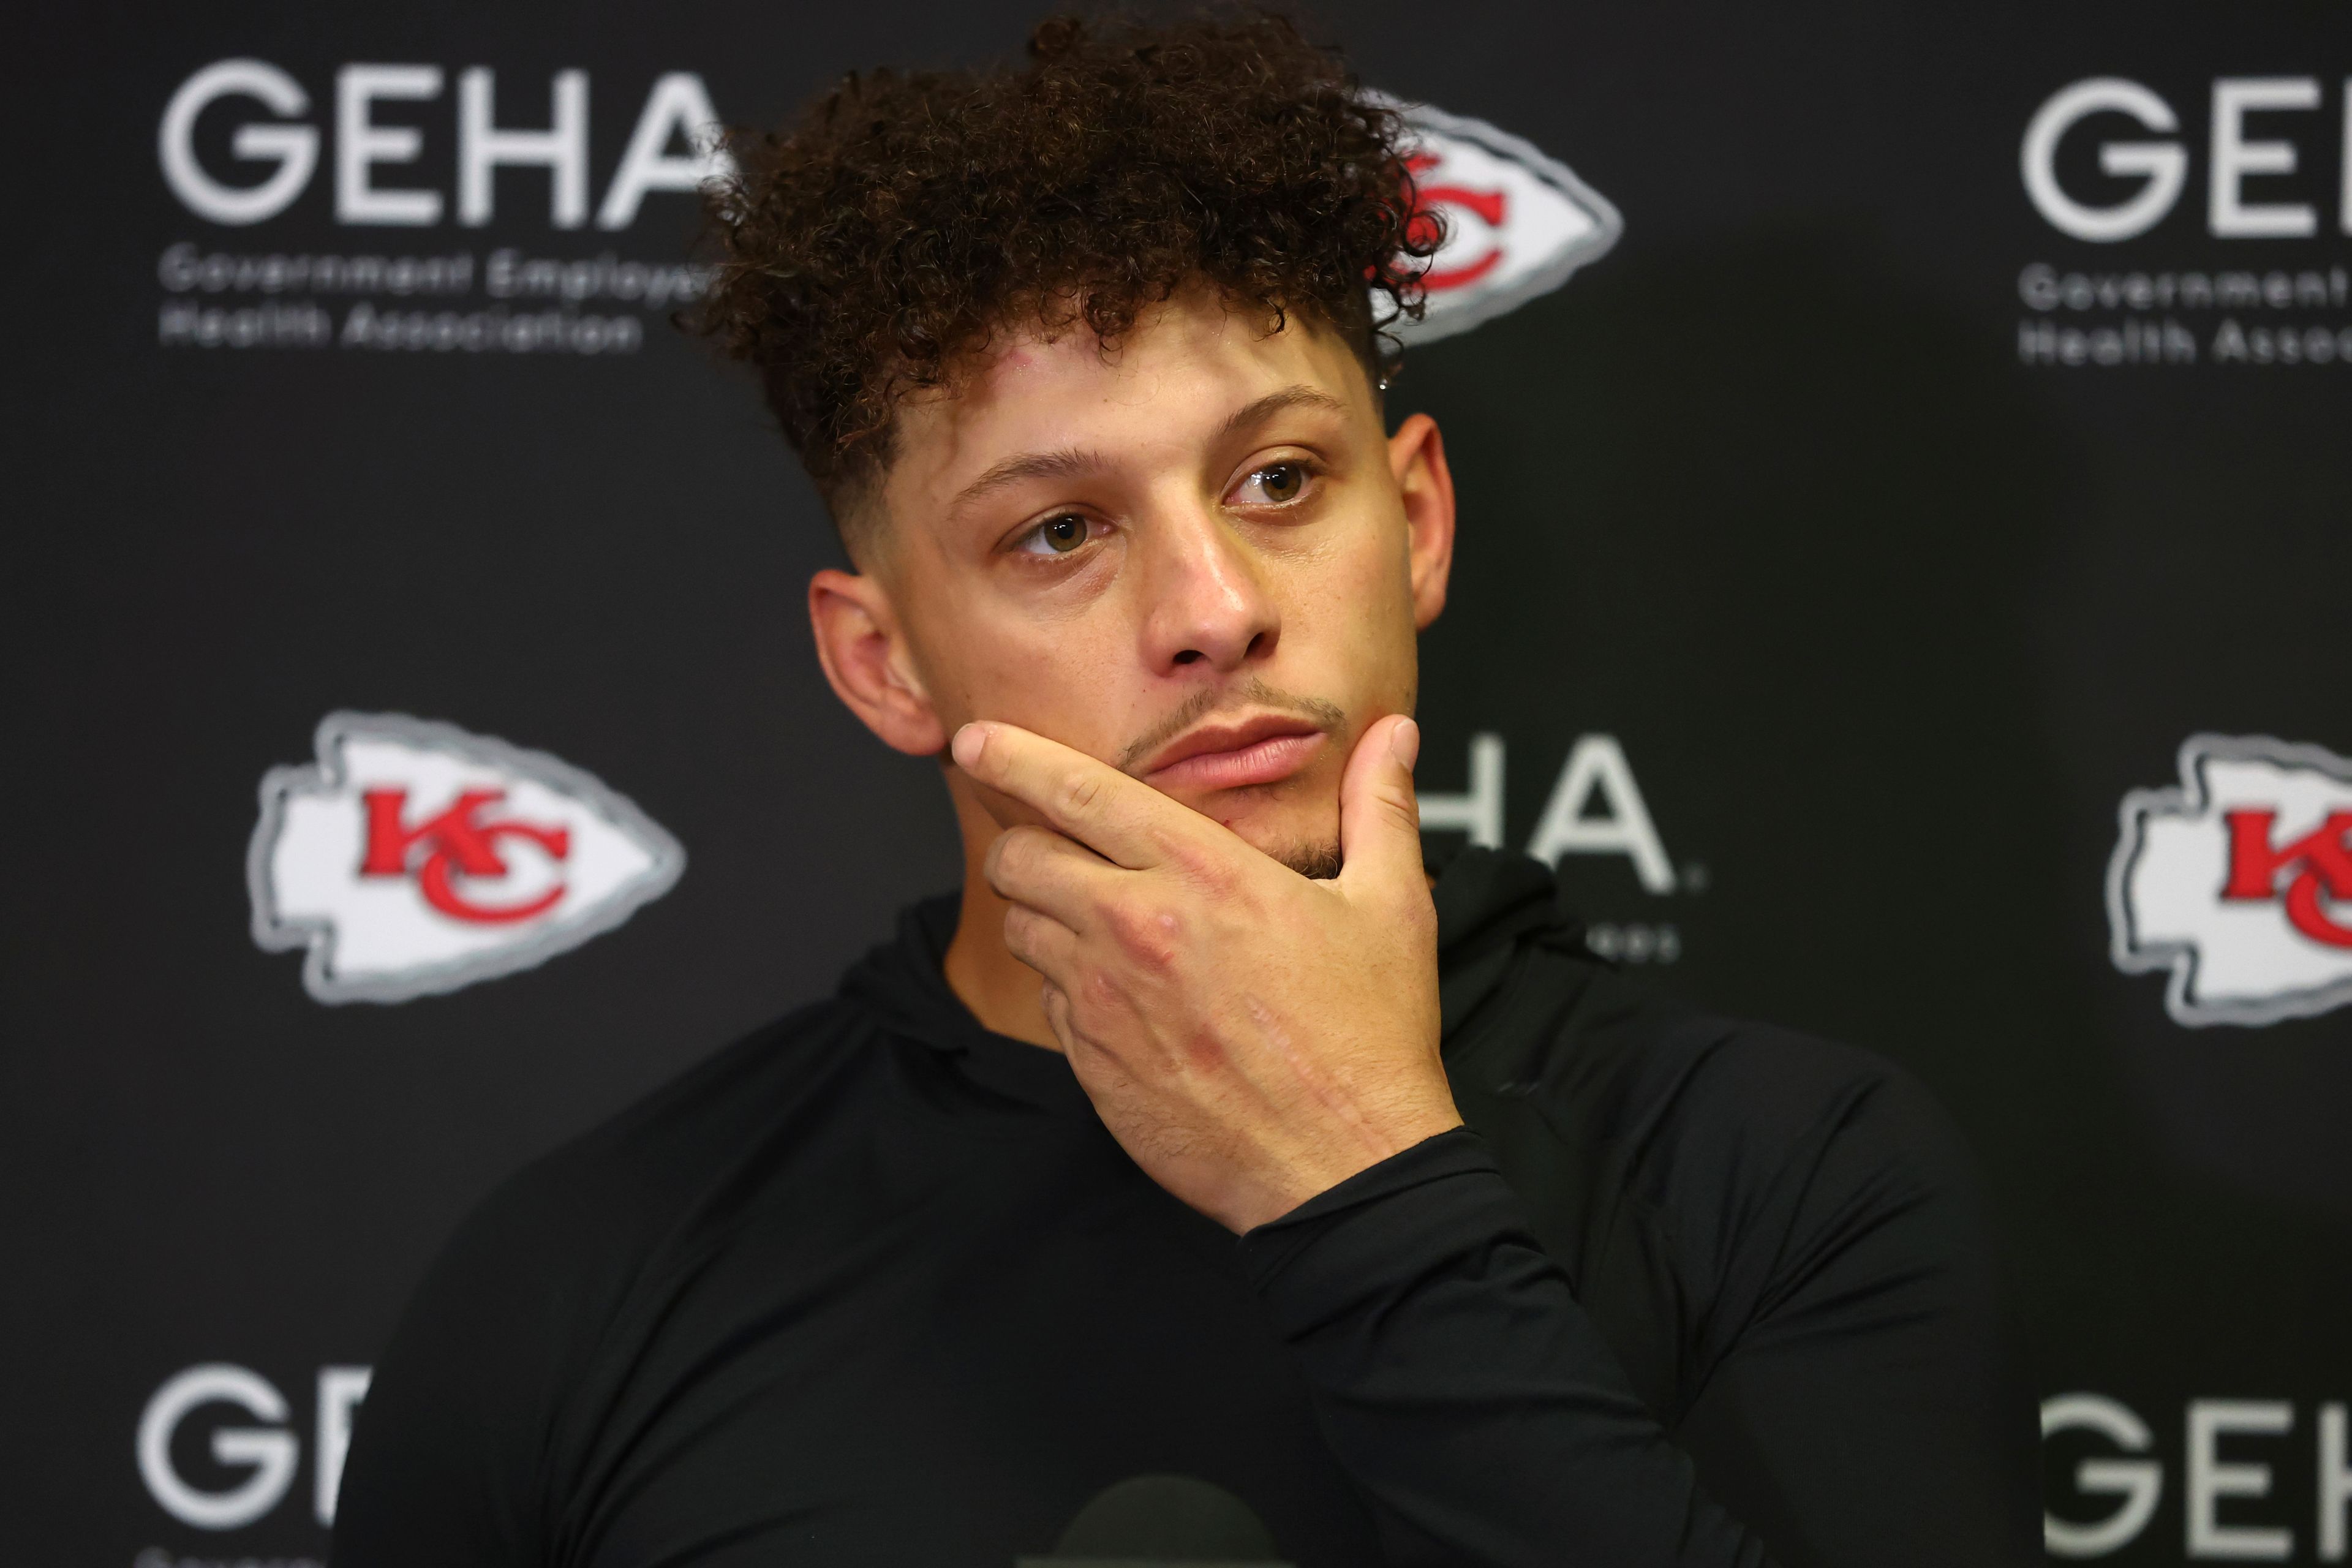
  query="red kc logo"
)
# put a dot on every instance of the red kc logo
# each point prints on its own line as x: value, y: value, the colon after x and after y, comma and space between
x: 1487, y: 206
x: 457, y: 842
x: 2321, y: 859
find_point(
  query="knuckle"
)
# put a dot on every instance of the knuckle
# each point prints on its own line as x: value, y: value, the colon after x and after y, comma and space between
x: 1080, y: 793
x: 1014, y: 854
x: 1201, y: 864
x: 1125, y: 923
x: 1060, y: 1017
x: 1150, y: 936
x: 1021, y: 858
x: 1027, y: 936
x: 1018, y: 929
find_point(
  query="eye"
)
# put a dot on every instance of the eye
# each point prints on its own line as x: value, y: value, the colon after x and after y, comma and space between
x: 1276, y: 484
x: 1057, y: 535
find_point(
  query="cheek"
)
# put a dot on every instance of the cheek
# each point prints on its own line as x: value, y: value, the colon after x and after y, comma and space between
x: 1354, y: 604
x: 1069, y: 682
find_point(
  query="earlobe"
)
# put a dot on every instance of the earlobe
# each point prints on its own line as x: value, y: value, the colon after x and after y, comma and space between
x: 865, y: 661
x: 1425, y: 486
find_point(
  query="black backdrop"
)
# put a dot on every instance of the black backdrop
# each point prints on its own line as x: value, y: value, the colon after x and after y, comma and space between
x: 1887, y: 566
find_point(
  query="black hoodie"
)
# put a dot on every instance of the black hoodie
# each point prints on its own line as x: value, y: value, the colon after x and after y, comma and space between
x: 874, y: 1285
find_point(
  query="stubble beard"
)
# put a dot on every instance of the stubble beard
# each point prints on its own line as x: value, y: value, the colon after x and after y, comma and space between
x: 1318, y: 862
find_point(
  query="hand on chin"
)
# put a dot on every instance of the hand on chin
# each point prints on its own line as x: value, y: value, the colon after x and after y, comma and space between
x: 1251, y: 1037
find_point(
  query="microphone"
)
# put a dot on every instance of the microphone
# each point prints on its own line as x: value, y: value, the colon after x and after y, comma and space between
x: 1162, y: 1521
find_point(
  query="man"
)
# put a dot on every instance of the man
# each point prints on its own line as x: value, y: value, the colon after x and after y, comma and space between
x: 1531, y: 1269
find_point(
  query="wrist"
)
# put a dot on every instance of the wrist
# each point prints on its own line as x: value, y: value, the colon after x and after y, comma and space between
x: 1335, y: 1161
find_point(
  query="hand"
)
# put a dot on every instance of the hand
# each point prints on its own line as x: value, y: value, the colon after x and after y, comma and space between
x: 1250, y: 1036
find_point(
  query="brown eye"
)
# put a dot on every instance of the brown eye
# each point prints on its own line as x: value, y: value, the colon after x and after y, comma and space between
x: 1064, y: 533
x: 1280, y: 482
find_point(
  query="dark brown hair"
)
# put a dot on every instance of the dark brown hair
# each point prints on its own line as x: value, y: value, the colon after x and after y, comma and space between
x: 865, y: 249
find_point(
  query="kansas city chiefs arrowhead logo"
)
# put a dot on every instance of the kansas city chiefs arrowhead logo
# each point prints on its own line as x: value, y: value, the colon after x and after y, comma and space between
x: 1517, y: 222
x: 2239, y: 883
x: 414, y: 858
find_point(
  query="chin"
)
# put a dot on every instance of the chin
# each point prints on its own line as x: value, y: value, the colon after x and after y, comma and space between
x: 1319, y: 861
x: 1305, y: 839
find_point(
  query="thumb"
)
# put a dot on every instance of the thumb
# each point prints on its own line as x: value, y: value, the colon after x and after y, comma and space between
x: 1380, y: 820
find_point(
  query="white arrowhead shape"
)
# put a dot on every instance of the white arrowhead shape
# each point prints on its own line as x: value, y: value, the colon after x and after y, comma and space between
x: 380, y: 937
x: 2231, y: 961
x: 1552, y: 222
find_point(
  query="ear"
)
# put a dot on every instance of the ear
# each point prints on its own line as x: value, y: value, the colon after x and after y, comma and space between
x: 1425, y: 485
x: 868, y: 663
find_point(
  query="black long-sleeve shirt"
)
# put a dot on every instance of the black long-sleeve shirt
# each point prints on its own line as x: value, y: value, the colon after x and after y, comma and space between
x: 876, y: 1287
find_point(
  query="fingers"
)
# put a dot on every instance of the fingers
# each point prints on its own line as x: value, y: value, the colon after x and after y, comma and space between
x: 1124, y: 821
x: 1087, y: 1059
x: 1042, y: 942
x: 1049, y: 873
x: 1380, y: 819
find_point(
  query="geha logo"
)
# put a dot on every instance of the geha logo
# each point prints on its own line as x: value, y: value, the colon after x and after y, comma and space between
x: 268, y: 1453
x: 2118, y: 1455
x: 1595, y: 808
x: 2234, y: 153
x: 414, y: 858
x: 676, y: 111
x: 2238, y: 882
x: 1517, y: 222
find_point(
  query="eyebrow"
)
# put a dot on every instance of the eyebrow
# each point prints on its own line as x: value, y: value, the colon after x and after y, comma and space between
x: 1299, y: 396
x: 1068, y: 463
x: 1071, y: 463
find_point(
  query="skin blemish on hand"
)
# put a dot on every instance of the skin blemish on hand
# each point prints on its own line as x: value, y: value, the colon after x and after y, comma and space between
x: 1204, y: 1051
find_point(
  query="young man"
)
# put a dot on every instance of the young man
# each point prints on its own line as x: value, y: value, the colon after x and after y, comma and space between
x: 1531, y: 1269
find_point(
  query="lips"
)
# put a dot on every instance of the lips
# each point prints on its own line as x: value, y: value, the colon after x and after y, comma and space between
x: 1263, y: 750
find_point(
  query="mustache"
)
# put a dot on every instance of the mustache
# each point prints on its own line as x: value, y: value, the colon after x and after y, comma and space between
x: 1250, y: 692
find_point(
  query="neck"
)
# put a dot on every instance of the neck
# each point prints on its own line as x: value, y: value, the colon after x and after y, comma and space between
x: 1004, y: 993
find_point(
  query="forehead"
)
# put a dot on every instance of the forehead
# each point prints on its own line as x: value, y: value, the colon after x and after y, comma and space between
x: 1167, y: 386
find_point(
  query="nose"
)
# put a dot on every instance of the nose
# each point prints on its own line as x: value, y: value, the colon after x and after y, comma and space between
x: 1208, y: 602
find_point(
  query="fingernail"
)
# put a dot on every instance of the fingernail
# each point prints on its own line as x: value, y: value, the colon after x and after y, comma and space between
x: 968, y: 744
x: 1404, y: 743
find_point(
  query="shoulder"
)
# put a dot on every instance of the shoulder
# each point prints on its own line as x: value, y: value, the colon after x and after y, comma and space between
x: 532, y: 1277
x: 1670, y: 1087
x: 445, y: 1460
x: 1742, y: 1150
x: 597, y: 1199
x: 1602, y: 1058
x: 1755, y: 1097
x: 1804, y: 1137
x: 530, y: 1284
x: 1803, y: 1193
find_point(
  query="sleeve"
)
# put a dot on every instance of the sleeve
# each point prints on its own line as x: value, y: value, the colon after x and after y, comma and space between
x: 1487, y: 1420
x: 443, y: 1469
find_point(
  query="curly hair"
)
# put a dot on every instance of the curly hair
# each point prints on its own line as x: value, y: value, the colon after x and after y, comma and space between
x: 869, y: 249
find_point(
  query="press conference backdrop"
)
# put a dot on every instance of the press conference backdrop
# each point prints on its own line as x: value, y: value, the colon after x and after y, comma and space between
x: 1902, y: 582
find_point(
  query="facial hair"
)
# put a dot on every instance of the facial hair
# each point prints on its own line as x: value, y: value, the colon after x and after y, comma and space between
x: 1318, y: 862
x: 1250, y: 692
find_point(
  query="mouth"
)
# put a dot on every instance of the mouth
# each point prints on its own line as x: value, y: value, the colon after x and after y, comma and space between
x: 1263, y: 750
